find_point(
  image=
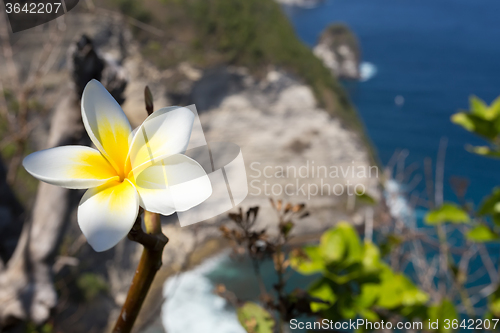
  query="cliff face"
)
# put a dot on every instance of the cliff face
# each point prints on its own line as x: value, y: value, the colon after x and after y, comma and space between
x: 281, y: 115
x: 339, y: 50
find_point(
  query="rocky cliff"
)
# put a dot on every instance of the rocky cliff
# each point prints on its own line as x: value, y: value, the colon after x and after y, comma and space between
x: 339, y: 50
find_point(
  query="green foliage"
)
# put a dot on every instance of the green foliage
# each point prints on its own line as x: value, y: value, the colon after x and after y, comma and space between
x: 441, y: 312
x: 354, y: 280
x: 255, y: 319
x: 341, y: 246
x: 322, y: 290
x: 482, y: 233
x: 483, y: 150
x: 91, y: 285
x: 491, y: 206
x: 484, y: 121
x: 448, y: 212
x: 309, y: 261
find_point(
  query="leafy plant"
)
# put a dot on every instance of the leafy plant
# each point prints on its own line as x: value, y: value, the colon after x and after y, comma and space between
x: 352, y: 278
x: 448, y: 212
x: 354, y: 281
x: 255, y: 319
x: 484, y: 121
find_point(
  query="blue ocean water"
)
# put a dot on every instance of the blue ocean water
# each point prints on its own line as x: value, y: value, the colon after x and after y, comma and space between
x: 433, y: 53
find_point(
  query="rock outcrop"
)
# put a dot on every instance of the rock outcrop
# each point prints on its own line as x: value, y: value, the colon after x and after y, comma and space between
x: 339, y: 50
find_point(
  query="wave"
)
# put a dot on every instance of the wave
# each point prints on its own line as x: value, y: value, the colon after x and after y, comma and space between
x: 397, y: 202
x: 191, y: 305
x: 367, y: 71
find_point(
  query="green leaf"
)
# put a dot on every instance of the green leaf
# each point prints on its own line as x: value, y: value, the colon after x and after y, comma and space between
x: 332, y: 245
x: 397, y: 290
x: 490, y: 206
x: 371, y: 257
x: 483, y: 120
x: 463, y: 120
x: 483, y: 151
x: 482, y: 233
x: 369, y: 315
x: 444, y: 310
x: 322, y: 290
x: 448, y: 212
x: 369, y: 295
x: 255, y: 319
x: 390, y: 294
x: 308, y: 261
x: 495, y: 108
x: 341, y: 244
x: 476, y: 124
x: 478, y: 107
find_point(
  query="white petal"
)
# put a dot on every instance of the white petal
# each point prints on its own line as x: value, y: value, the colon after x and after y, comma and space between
x: 107, y: 213
x: 166, y: 132
x: 106, y: 124
x: 176, y: 183
x: 76, y: 167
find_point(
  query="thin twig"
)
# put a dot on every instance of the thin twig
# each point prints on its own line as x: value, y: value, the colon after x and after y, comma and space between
x: 490, y: 267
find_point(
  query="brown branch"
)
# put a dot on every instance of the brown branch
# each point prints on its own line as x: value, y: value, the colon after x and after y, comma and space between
x: 149, y: 264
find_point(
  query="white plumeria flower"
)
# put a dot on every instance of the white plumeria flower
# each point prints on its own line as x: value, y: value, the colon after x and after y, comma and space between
x: 143, y: 168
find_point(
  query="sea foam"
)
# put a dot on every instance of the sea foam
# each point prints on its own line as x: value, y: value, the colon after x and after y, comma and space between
x: 191, y: 306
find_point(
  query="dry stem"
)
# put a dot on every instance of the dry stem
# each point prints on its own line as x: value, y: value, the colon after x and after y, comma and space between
x: 149, y: 264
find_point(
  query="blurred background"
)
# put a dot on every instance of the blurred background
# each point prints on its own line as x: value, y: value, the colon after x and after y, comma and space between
x: 363, y: 95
